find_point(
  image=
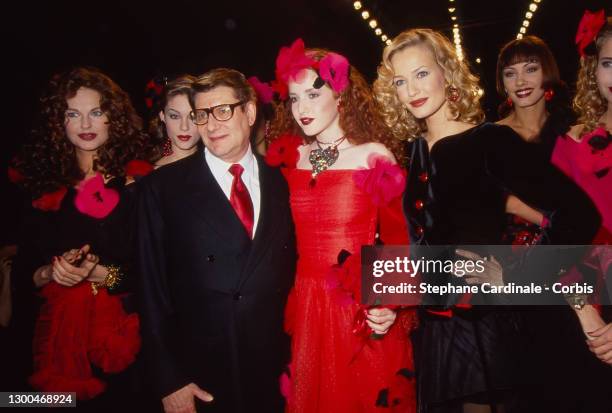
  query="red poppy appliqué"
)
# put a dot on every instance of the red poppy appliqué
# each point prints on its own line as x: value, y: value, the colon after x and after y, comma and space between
x: 51, y: 201
x: 138, y: 167
x: 284, y: 151
x: 94, y: 199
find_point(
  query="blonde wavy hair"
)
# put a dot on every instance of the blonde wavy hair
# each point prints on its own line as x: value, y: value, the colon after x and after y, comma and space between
x: 456, y: 73
x: 589, y: 104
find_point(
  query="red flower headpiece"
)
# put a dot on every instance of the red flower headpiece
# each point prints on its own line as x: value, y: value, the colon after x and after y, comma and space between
x: 292, y: 61
x: 153, y: 91
x: 265, y: 92
x: 589, y: 27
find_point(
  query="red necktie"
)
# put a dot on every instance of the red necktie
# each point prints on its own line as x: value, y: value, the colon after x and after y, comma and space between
x: 241, y: 200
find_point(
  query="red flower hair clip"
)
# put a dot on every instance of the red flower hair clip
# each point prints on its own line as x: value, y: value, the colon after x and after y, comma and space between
x: 334, y: 69
x: 153, y: 91
x: 265, y: 92
x: 292, y: 61
x: 589, y: 27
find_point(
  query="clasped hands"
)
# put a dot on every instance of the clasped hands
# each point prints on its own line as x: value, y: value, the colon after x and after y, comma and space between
x: 72, y: 267
x: 493, y: 272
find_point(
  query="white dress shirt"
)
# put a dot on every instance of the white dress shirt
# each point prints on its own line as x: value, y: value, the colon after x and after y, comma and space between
x: 250, y: 177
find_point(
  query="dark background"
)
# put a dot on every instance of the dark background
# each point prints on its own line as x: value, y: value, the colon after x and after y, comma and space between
x: 134, y: 41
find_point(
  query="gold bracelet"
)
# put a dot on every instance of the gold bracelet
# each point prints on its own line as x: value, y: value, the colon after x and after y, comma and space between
x: 113, y: 278
x: 577, y: 301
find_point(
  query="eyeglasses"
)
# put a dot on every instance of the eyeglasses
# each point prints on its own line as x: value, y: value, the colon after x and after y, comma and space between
x: 220, y: 112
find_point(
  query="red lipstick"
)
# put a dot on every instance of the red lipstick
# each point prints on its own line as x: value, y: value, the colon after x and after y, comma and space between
x: 523, y: 93
x: 419, y: 102
x: 306, y: 121
x: 183, y: 138
x: 88, y: 136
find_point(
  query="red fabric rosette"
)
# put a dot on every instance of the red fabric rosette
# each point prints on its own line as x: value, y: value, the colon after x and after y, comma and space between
x: 51, y: 201
x: 290, y: 64
x: 588, y: 28
x: 283, y: 151
x: 334, y: 69
x: 384, y: 180
x: 138, y: 167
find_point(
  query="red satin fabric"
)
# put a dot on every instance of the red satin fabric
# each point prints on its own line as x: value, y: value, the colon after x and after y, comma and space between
x: 333, y: 369
x: 241, y: 200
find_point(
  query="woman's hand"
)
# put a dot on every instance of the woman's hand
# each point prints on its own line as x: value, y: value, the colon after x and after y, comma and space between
x: 42, y: 275
x: 493, y: 272
x: 380, y: 320
x: 601, y: 344
x: 99, y: 272
x: 590, y: 319
x: 68, y: 273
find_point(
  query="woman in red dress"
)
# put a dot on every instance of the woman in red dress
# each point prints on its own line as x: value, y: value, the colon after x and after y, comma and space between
x: 345, y: 192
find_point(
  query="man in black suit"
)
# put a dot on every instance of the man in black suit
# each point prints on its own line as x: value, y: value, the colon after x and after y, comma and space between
x: 216, y: 250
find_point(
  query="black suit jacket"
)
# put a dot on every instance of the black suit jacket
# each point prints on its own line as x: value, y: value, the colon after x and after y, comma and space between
x: 212, y: 299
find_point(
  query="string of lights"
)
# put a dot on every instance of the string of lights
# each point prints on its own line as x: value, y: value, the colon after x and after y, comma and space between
x: 452, y: 10
x: 371, y: 21
x: 533, y: 6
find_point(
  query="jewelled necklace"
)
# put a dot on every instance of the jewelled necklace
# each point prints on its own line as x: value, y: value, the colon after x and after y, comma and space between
x: 321, y: 159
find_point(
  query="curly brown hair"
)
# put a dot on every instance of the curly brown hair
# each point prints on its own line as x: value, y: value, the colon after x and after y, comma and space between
x: 589, y: 104
x: 49, y: 160
x: 359, y: 115
x: 456, y: 73
x: 181, y: 85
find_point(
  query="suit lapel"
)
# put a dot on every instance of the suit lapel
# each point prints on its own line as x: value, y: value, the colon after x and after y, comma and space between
x: 210, y: 203
x: 265, y: 226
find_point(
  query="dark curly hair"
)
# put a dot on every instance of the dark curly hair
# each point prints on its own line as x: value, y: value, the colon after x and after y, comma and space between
x: 360, y: 118
x: 181, y: 85
x: 48, y: 161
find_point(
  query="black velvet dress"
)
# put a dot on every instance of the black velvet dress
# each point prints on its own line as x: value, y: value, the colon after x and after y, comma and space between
x: 48, y: 233
x: 456, y: 195
x: 555, y: 351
